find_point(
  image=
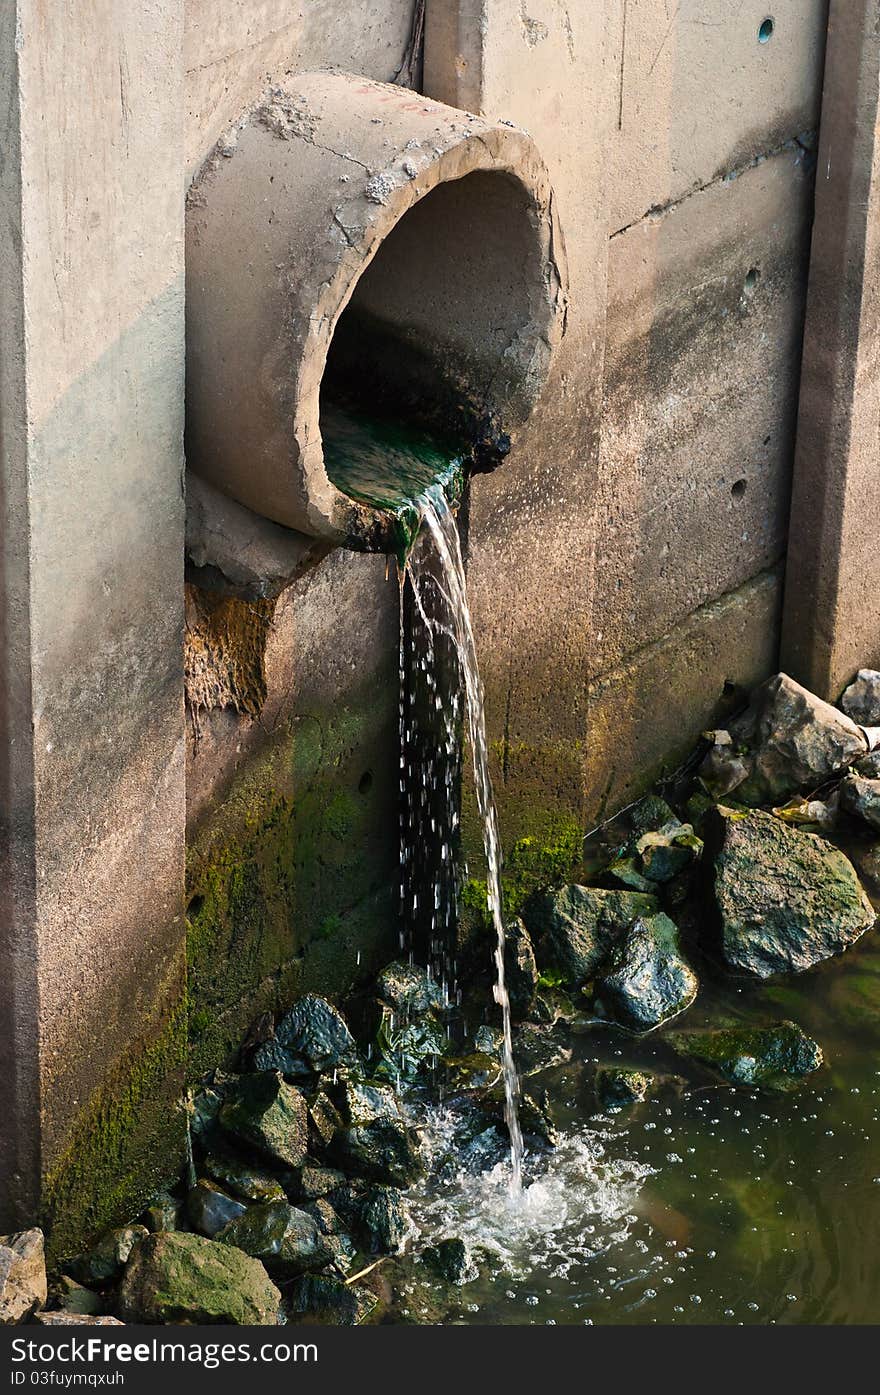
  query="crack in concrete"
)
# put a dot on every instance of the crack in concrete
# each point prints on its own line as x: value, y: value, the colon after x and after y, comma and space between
x: 660, y: 210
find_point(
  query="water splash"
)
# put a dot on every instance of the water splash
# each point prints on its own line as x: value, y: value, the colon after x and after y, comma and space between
x: 436, y: 573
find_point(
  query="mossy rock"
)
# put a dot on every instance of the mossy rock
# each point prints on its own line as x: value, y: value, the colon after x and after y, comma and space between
x: 264, y: 1111
x: 786, y: 899
x: 617, y: 1088
x: 311, y: 1038
x: 581, y: 925
x: 650, y: 981
x: 776, y: 1057
x: 176, y: 1278
x: 323, y: 1300
x: 287, y: 1241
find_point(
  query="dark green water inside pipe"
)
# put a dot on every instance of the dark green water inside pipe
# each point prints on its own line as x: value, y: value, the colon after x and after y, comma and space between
x: 390, y: 465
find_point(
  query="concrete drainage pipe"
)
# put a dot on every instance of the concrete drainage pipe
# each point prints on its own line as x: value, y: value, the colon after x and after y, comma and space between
x: 350, y: 226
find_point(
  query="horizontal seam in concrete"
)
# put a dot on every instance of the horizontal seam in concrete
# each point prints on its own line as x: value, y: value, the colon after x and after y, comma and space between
x: 661, y: 209
x: 753, y: 582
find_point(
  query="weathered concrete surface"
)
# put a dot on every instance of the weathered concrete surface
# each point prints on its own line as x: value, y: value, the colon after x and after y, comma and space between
x: 292, y: 877
x: 471, y: 281
x: 531, y: 527
x: 92, y: 751
x: 696, y: 95
x: 645, y: 714
x: 705, y: 310
x: 832, y: 605
x: 233, y: 52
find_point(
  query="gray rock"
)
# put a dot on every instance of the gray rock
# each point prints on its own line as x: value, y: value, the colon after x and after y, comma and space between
x: 72, y: 1297
x: 310, y: 1039
x: 22, y: 1275
x: 248, y: 1183
x: 383, y: 1221
x: 786, y: 899
x: 324, y: 1216
x: 451, y: 1259
x: 788, y: 740
x: 617, y: 1088
x: 323, y: 1300
x: 264, y: 1111
x: 406, y: 1050
x: 650, y: 981
x: 409, y: 990
x: 667, y: 852
x: 537, y: 1047
x: 520, y: 969
x: 209, y: 1209
x: 582, y: 924
x: 163, y: 1213
x: 868, y: 766
x: 312, y: 1181
x: 286, y: 1240
x: 374, y: 1142
x: 106, y: 1260
x: 861, y: 700
x: 324, y: 1119
x: 178, y: 1278
x: 775, y: 1057
x: 861, y: 798
x: 61, y: 1319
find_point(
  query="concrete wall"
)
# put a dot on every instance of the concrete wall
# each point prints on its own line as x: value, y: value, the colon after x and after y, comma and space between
x: 625, y: 564
x: 92, y: 755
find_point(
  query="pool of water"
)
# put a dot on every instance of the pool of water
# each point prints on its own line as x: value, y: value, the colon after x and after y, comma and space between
x: 705, y: 1204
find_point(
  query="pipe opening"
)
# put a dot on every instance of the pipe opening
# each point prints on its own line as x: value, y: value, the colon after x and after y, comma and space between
x: 430, y: 358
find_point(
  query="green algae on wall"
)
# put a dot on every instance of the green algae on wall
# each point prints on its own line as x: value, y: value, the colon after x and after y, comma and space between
x: 126, y: 1144
x: 290, y: 883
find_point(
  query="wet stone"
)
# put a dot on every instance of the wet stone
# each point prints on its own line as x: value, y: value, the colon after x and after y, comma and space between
x: 287, y: 1241
x: 324, y: 1216
x: 786, y: 899
x: 618, y: 1088
x: 383, y: 1220
x: 321, y: 1299
x: 22, y: 1275
x: 262, y: 1110
x: 581, y: 926
x: 106, y: 1260
x: 374, y: 1142
x: 312, y: 1181
x: 775, y: 1057
x: 163, y: 1213
x: 451, y: 1259
x: 409, y: 990
x: 537, y: 1048
x: 209, y: 1209
x: 179, y: 1278
x: 520, y: 969
x: 324, y: 1119
x: 311, y: 1039
x: 405, y: 1051
x: 248, y: 1183
x: 650, y: 981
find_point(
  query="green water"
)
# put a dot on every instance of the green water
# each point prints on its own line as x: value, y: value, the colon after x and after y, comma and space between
x: 706, y: 1204
x: 389, y: 465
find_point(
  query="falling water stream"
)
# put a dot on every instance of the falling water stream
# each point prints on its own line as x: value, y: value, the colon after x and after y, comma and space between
x: 439, y: 536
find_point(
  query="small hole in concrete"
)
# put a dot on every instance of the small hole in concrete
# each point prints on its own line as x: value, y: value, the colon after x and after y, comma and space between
x: 365, y: 782
x: 753, y: 276
x: 729, y: 688
x: 194, y: 906
x: 767, y: 440
x: 765, y: 31
x: 738, y: 489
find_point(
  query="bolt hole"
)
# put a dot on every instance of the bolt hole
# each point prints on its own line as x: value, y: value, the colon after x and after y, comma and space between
x: 765, y: 30
x: 729, y: 688
x: 194, y: 906
x: 738, y: 489
x: 767, y: 440
x: 752, y: 278
x: 365, y: 782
